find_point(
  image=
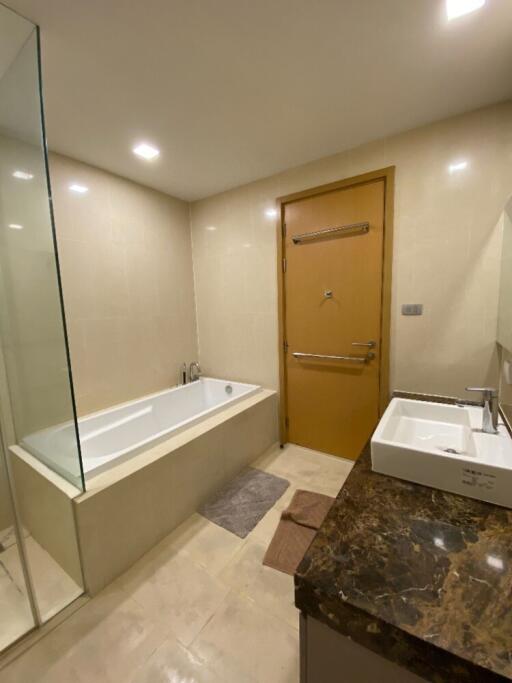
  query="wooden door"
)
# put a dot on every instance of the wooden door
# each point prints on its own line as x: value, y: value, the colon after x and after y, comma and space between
x: 333, y: 301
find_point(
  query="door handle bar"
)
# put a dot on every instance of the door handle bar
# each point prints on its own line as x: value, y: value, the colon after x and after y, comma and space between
x: 343, y: 229
x: 369, y: 345
x: 320, y: 356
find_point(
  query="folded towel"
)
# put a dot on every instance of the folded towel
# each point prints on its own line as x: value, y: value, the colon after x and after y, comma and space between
x: 296, y: 530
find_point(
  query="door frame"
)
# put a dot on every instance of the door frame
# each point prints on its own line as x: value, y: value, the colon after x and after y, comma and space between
x: 386, y: 174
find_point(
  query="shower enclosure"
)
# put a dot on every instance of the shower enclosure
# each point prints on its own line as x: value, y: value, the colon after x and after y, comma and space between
x: 40, y: 570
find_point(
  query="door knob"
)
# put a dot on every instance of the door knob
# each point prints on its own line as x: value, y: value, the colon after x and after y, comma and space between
x: 368, y: 345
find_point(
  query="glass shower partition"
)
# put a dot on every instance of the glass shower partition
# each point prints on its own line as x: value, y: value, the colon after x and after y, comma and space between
x: 37, y: 411
x: 32, y: 327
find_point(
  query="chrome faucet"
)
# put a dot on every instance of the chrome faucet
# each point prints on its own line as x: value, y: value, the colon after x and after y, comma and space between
x: 490, y: 407
x: 194, y: 371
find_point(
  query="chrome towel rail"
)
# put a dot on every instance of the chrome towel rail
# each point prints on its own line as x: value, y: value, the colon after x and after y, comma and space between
x: 345, y: 229
x: 320, y: 356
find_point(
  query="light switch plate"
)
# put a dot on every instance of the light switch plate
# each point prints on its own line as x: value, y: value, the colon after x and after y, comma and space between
x: 412, y: 309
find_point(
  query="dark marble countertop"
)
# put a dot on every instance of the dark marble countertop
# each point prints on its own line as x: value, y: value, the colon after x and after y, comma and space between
x: 419, y: 576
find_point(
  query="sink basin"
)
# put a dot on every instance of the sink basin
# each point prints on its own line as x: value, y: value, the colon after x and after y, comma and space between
x: 442, y: 446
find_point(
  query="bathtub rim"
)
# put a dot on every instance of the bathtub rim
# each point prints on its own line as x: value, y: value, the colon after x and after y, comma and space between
x: 160, y: 437
x: 155, y: 394
x: 148, y: 456
x: 165, y: 448
x: 142, y: 446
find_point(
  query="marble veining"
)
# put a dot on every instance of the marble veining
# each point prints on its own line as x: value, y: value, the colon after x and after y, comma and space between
x: 421, y: 576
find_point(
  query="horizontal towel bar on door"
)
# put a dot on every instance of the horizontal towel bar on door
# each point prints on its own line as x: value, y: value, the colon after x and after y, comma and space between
x: 353, y: 228
x: 321, y: 356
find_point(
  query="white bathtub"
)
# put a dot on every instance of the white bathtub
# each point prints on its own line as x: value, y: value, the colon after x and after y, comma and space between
x: 122, y: 431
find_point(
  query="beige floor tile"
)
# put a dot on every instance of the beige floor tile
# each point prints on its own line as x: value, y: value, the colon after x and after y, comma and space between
x: 175, y: 591
x: 243, y: 644
x: 106, y: 640
x: 286, y: 499
x: 305, y: 468
x: 209, y: 545
x: 8, y: 536
x: 173, y: 663
x: 329, y: 486
x: 200, y: 607
x: 270, y: 589
x: 15, y: 615
x: 291, y: 461
x: 266, y: 527
x: 54, y: 588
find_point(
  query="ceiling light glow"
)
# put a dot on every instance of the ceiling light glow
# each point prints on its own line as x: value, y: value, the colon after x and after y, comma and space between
x: 457, y: 8
x: 211, y: 228
x: 271, y: 213
x: 457, y: 166
x: 79, y: 189
x: 146, y: 151
x: 22, y: 175
x: 15, y: 226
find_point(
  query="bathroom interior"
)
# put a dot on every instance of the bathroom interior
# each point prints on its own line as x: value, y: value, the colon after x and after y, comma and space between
x: 256, y: 341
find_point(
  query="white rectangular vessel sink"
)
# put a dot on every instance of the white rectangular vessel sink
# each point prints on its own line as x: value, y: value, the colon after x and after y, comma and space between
x: 442, y: 446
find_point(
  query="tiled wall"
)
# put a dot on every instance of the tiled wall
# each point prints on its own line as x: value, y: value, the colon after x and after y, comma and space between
x: 126, y: 265
x: 446, y: 255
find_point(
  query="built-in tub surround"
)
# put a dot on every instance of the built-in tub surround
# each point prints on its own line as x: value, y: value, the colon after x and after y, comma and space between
x: 446, y: 255
x: 130, y: 507
x: 151, y: 463
x: 126, y: 262
x: 121, y: 432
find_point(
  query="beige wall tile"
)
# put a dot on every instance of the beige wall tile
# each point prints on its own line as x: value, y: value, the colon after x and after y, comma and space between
x: 47, y: 513
x: 446, y: 255
x: 126, y: 261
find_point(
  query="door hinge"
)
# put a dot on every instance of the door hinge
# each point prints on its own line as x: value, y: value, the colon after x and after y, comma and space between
x: 283, y: 229
x: 285, y: 346
x: 284, y: 265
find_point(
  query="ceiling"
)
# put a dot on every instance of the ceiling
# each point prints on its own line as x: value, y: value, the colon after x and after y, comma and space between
x: 235, y: 90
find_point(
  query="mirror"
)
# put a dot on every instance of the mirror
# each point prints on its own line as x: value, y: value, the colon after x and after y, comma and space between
x: 504, y: 335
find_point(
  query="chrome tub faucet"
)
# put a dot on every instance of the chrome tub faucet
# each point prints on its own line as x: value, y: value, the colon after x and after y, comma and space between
x: 194, y: 371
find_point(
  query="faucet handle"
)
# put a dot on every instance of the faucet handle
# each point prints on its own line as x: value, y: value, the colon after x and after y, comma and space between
x: 488, y: 392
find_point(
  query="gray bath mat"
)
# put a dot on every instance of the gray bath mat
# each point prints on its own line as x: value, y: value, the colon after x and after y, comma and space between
x: 240, y: 505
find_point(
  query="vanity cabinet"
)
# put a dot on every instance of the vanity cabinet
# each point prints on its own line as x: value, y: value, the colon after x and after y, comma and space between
x: 328, y: 657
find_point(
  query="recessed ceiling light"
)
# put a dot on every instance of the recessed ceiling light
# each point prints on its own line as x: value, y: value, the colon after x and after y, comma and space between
x: 80, y: 189
x: 247, y: 245
x: 457, y: 166
x: 457, y: 8
x: 271, y: 213
x: 15, y: 226
x: 22, y: 175
x: 211, y: 228
x: 146, y: 151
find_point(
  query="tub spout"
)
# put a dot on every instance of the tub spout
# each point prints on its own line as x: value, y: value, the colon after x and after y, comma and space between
x: 194, y: 372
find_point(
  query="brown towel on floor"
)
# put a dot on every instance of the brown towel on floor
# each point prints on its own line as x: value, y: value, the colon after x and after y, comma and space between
x: 297, y: 528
